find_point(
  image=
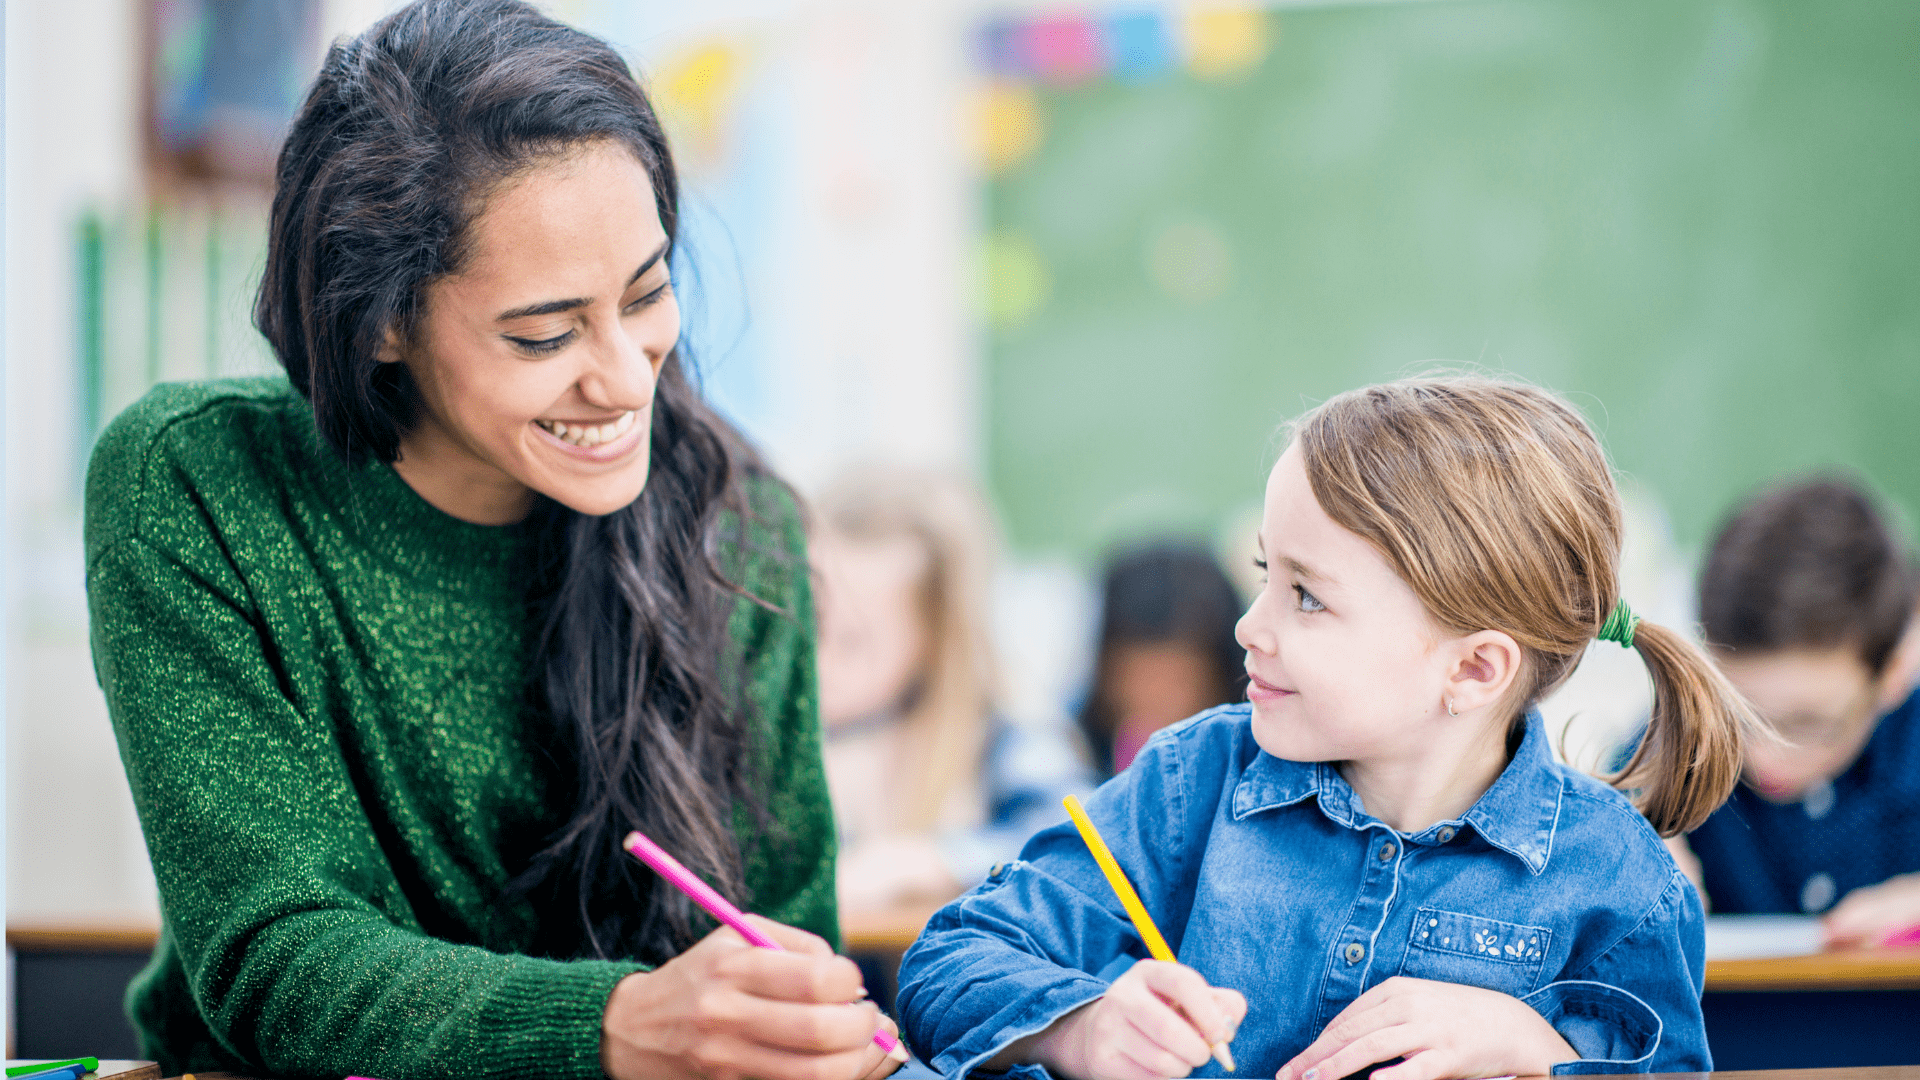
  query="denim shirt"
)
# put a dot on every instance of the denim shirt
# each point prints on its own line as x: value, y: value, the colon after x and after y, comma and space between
x: 1268, y: 876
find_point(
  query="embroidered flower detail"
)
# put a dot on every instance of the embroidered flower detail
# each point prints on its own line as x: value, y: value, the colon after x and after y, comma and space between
x: 1486, y: 943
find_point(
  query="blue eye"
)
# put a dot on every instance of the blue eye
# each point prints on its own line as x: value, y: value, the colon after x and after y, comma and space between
x: 1308, y: 601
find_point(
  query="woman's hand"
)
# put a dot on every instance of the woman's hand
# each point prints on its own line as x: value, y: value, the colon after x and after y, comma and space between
x: 1870, y: 915
x: 1157, y: 1021
x: 725, y: 1009
x: 1443, y: 1030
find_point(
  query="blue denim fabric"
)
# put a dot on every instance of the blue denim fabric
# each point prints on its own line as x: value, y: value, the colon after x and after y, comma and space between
x: 1268, y: 876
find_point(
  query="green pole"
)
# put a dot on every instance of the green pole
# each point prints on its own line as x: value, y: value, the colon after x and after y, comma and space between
x: 153, y: 297
x: 92, y: 266
x: 213, y: 293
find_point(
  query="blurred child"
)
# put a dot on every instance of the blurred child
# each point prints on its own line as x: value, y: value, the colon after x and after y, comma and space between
x: 1378, y: 850
x: 930, y: 785
x: 1166, y: 648
x: 1808, y: 600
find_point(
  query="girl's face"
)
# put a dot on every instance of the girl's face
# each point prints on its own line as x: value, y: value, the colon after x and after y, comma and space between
x: 537, y: 362
x: 1345, y: 662
x: 874, y: 639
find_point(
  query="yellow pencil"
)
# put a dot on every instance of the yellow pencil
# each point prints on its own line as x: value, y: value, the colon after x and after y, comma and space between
x: 1142, y: 922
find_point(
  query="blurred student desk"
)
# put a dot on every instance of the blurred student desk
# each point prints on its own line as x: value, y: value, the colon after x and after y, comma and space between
x: 1769, y: 1002
x: 1774, y: 1001
x: 69, y: 976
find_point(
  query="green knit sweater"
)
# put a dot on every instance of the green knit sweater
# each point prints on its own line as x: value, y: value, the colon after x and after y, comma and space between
x: 318, y: 684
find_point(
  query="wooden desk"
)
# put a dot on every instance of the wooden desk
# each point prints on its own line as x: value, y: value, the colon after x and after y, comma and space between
x: 1863, y: 969
x: 889, y: 931
x: 1889, y: 1072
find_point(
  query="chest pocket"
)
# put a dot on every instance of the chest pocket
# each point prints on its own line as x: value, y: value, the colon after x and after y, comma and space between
x: 1473, y: 951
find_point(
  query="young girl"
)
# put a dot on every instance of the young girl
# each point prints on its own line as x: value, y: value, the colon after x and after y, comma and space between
x: 932, y: 785
x: 1377, y: 859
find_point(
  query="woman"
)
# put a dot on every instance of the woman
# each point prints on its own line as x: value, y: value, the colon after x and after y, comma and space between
x: 931, y: 785
x: 396, y: 653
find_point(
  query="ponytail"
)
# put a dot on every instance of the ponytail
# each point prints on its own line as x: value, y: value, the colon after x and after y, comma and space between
x: 1690, y: 756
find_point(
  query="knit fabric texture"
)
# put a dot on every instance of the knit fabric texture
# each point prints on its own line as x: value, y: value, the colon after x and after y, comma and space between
x: 320, y: 687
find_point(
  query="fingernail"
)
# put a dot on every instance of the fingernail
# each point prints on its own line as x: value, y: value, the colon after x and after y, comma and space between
x: 1310, y: 1074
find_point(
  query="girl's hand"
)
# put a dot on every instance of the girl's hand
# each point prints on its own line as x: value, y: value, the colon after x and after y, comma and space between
x: 1443, y: 1030
x: 1870, y: 915
x: 725, y: 1009
x: 1157, y: 1021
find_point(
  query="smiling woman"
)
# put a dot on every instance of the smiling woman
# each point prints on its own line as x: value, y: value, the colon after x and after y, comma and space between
x: 398, y: 647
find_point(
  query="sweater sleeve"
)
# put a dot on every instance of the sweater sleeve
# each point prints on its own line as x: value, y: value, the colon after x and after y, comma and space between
x: 300, y: 949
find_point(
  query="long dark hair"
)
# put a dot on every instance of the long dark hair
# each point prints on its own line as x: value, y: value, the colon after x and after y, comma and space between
x: 1163, y: 592
x: 406, y: 130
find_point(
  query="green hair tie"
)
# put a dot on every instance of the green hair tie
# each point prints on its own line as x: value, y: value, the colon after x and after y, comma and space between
x: 1619, y: 625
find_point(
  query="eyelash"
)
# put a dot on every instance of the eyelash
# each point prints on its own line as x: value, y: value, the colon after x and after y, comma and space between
x: 1301, y: 595
x: 544, y: 346
x: 548, y: 346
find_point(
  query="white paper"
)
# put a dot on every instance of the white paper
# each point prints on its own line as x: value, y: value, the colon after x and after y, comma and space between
x: 1756, y: 937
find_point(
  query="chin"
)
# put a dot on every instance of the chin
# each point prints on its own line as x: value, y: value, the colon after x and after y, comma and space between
x: 601, y: 498
x: 1282, y: 732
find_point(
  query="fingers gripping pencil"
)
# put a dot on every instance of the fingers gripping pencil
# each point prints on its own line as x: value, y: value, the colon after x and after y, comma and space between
x: 1142, y: 922
x: 673, y: 873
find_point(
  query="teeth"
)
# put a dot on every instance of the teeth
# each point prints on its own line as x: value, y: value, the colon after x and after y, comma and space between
x: 581, y: 435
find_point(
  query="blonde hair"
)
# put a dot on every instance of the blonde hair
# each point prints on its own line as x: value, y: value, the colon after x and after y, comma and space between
x: 1494, y: 501
x: 946, y: 722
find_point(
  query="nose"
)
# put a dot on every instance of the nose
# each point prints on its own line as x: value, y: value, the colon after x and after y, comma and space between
x: 621, y: 372
x: 1252, y: 631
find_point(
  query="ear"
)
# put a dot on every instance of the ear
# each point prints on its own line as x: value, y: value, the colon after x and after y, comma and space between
x: 1903, y: 669
x: 390, y: 351
x: 1481, y: 669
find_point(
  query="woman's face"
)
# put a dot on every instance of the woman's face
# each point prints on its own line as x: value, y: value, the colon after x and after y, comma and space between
x: 537, y: 362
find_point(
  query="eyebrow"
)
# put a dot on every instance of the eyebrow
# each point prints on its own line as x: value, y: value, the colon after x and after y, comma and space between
x: 1302, y: 570
x: 554, y: 307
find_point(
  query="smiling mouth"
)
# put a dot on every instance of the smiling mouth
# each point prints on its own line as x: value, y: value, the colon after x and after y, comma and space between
x: 1258, y: 685
x: 589, y: 435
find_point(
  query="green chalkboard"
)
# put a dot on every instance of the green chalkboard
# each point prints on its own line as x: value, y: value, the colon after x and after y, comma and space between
x: 1698, y: 218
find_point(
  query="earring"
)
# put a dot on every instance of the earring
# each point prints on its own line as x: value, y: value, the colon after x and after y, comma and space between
x: 1450, y: 711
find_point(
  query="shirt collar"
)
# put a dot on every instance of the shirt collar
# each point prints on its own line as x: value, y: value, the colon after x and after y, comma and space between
x: 1517, y: 814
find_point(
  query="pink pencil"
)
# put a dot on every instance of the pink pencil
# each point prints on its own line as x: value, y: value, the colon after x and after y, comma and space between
x: 701, y: 893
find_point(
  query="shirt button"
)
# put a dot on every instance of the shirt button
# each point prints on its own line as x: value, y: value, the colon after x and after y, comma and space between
x: 1446, y: 833
x: 1356, y: 952
x: 1386, y: 852
x: 1817, y: 894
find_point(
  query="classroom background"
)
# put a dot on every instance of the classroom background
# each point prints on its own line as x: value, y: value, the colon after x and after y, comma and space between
x: 1087, y: 256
